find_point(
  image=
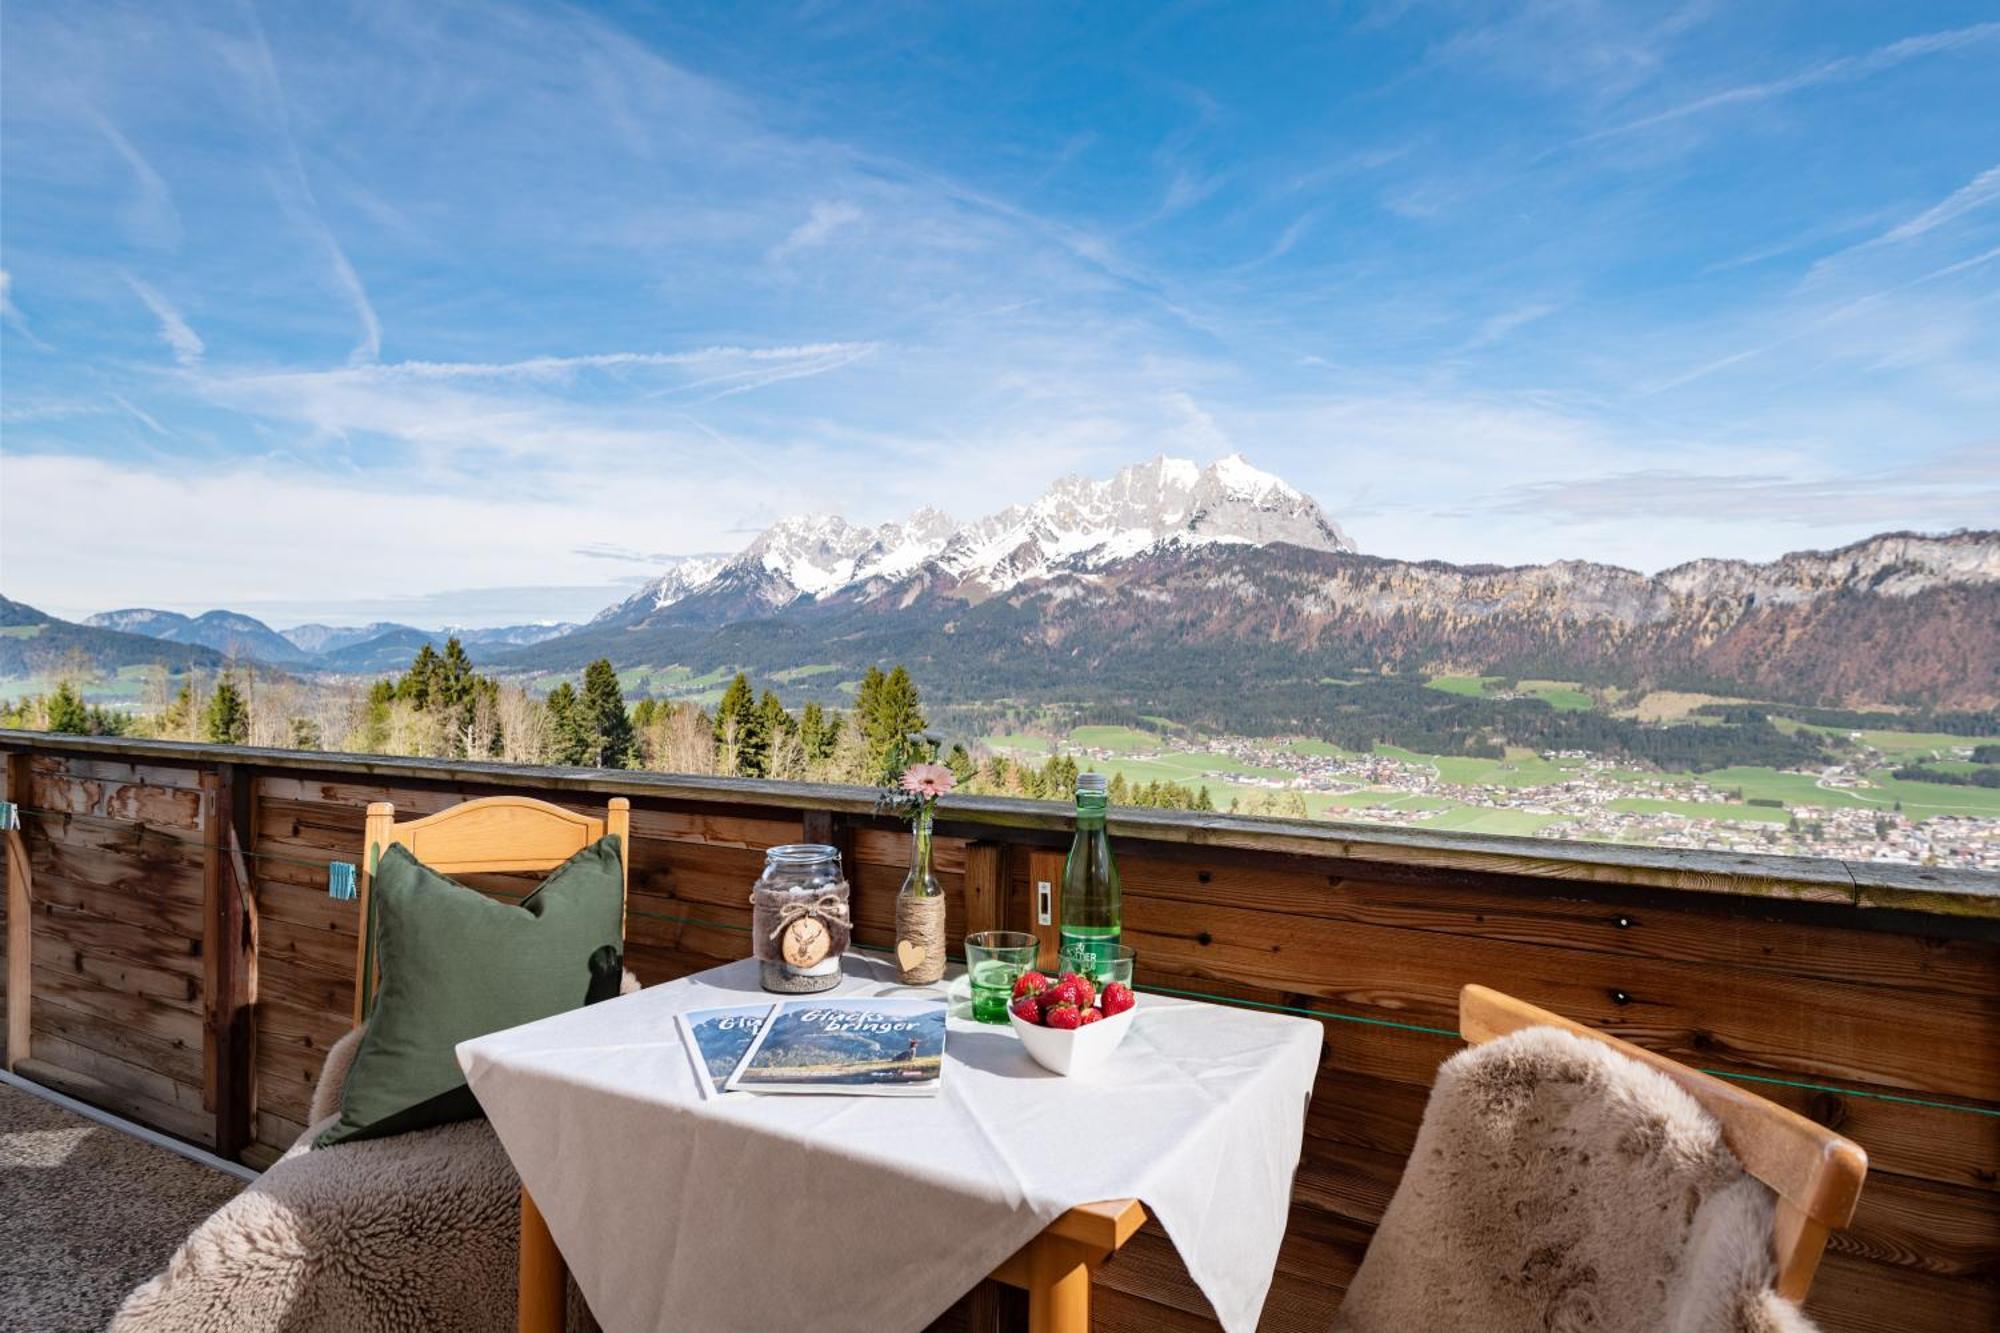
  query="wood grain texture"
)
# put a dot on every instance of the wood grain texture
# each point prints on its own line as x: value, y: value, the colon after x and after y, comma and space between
x: 1775, y: 971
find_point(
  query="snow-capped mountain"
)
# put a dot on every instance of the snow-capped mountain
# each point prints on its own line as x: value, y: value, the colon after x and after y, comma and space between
x: 1078, y: 526
x: 677, y: 581
x: 1082, y: 525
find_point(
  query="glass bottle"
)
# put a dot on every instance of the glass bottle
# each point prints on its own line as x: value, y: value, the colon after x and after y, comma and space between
x: 1091, y: 895
x: 920, y: 923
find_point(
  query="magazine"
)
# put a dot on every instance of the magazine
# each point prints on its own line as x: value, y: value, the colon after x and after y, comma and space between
x: 884, y: 1048
x: 717, y: 1038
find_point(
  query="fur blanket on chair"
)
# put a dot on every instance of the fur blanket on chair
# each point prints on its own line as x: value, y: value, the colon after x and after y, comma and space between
x: 1557, y: 1187
x: 419, y: 1231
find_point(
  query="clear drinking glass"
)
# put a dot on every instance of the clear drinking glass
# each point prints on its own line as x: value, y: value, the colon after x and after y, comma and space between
x: 994, y: 961
x: 1100, y: 962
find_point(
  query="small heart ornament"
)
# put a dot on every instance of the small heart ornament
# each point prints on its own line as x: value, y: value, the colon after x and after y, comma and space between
x: 909, y: 956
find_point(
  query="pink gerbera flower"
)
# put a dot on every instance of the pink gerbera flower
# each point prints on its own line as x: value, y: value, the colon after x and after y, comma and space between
x: 929, y: 781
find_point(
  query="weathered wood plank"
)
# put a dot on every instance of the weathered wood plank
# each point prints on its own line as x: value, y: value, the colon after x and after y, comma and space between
x: 194, y: 1125
x: 1704, y: 931
x: 151, y: 947
x: 1758, y: 1020
x: 177, y: 1060
x: 169, y: 916
x: 79, y: 964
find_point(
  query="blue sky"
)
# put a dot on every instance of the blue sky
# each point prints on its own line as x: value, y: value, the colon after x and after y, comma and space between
x: 475, y: 312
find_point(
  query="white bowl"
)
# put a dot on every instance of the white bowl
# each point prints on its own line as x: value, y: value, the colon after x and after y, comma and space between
x: 1074, y: 1052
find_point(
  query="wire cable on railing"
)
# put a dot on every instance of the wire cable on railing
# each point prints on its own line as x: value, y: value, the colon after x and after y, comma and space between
x: 1834, y: 1089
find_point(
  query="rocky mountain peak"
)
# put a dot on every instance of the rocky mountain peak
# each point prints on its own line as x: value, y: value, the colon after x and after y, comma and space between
x: 1081, y: 525
x: 1078, y: 525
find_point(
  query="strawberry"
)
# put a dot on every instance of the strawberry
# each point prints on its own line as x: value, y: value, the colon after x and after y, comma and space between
x: 1065, y: 1016
x: 1027, y: 1010
x: 1064, y: 991
x: 1090, y: 1016
x: 1118, y: 998
x: 1030, y: 983
x: 1086, y: 994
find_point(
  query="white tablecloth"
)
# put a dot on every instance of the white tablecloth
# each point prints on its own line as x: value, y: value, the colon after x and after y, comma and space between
x: 874, y: 1214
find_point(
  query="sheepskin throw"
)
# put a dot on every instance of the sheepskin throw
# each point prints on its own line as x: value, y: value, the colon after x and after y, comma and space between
x: 1560, y: 1187
x: 417, y: 1231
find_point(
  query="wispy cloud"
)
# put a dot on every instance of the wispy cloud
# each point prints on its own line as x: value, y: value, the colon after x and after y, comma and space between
x: 152, y: 218
x: 293, y: 188
x: 1981, y: 190
x: 1495, y: 328
x: 185, y: 343
x: 144, y: 418
x: 1962, y: 487
x: 827, y: 217
x: 553, y: 368
x: 11, y: 313
x: 1804, y: 326
x: 1827, y: 71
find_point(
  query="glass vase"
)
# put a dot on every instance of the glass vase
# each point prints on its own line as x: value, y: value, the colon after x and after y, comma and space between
x: 920, y: 913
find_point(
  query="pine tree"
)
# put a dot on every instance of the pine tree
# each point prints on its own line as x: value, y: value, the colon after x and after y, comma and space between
x: 742, y: 730
x: 816, y: 738
x: 736, y: 701
x: 66, y: 711
x: 778, y: 723
x: 375, y: 724
x: 452, y: 678
x: 415, y: 688
x: 176, y: 720
x: 867, y: 713
x: 227, y: 721
x: 605, y: 720
x: 892, y: 717
x: 1118, y: 792
x: 571, y: 737
x: 959, y: 761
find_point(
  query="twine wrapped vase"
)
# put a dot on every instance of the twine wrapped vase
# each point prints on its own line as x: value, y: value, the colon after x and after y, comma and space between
x: 920, y: 913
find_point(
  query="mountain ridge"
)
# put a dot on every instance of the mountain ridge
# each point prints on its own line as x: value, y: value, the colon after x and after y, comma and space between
x: 1168, y: 572
x: 1713, y: 624
x: 1077, y: 524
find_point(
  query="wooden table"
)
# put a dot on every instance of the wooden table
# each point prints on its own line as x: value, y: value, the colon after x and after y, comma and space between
x: 1054, y: 1268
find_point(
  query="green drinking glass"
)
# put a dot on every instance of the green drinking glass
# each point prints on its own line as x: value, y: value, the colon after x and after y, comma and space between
x: 1102, y: 963
x: 994, y: 961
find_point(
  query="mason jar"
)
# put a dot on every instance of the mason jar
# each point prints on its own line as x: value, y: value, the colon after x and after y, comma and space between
x: 799, y: 919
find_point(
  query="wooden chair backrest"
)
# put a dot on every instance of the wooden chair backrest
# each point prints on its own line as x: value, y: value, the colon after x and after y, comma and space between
x: 493, y: 835
x: 1815, y: 1173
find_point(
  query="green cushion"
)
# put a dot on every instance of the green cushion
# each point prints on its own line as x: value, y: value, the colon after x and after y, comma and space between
x: 456, y: 964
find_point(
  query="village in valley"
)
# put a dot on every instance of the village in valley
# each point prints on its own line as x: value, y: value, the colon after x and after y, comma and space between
x: 1853, y: 810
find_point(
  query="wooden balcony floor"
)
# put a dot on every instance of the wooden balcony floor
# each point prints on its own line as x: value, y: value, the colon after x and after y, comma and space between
x: 89, y: 1212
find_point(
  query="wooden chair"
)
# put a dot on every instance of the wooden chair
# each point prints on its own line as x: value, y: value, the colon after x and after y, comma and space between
x: 1815, y: 1173
x: 494, y: 835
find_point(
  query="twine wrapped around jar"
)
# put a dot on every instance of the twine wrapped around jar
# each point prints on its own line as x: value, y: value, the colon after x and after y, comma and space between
x: 800, y: 924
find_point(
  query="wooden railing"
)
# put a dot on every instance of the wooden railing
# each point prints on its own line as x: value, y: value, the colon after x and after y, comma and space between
x: 189, y: 970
